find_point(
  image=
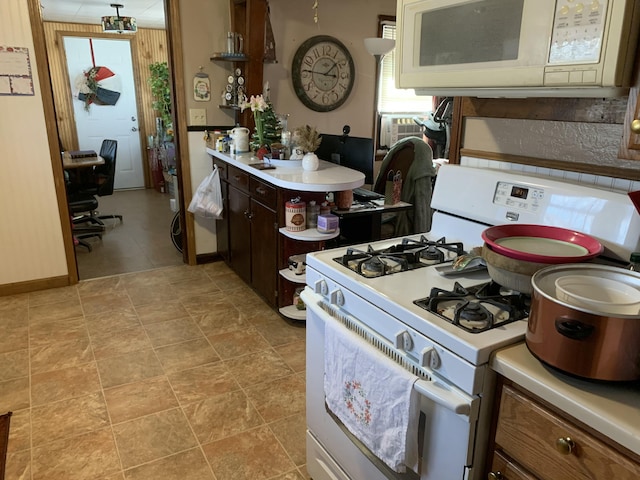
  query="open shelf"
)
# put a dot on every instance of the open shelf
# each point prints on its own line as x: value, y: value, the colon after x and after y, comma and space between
x: 228, y: 57
x: 292, y: 277
x: 309, y: 235
x: 290, y: 311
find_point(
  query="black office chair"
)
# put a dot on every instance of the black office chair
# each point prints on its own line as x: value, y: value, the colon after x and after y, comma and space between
x: 413, y: 158
x: 83, y: 203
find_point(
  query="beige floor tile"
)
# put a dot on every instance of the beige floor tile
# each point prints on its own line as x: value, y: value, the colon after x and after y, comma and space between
x: 14, y: 365
x: 189, y: 465
x: 258, y: 367
x: 293, y: 475
x: 66, y: 418
x: 51, y: 312
x: 61, y: 355
x: 119, y: 342
x: 101, y: 286
x: 216, y: 268
x: 20, y: 431
x: 18, y: 465
x: 229, y: 281
x: 161, y: 312
x: 173, y: 331
x: 183, y: 274
x: 66, y: 383
x: 113, y: 321
x: 291, y: 433
x: 252, y: 455
x: 12, y: 302
x: 46, y: 333
x: 216, y: 317
x: 222, y: 416
x: 190, y: 354
x: 279, y: 398
x: 190, y: 288
x: 106, y: 302
x: 157, y: 295
x: 14, y: 394
x: 282, y: 332
x: 52, y: 295
x: 131, y: 367
x: 82, y: 457
x: 197, y: 384
x: 134, y: 400
x: 294, y: 354
x: 148, y: 278
x: 153, y: 437
x: 13, y: 338
x: 240, y: 342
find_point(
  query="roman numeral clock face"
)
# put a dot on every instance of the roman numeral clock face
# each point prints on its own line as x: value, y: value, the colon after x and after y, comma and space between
x: 322, y: 73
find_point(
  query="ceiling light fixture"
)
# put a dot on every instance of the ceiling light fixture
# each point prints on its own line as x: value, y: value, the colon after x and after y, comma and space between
x: 118, y: 24
x: 379, y: 47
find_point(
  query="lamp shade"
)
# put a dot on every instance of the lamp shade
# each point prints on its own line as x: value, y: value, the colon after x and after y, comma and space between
x: 117, y: 24
x: 377, y: 46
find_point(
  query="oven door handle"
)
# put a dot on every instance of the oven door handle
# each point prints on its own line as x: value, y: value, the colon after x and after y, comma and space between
x: 440, y: 394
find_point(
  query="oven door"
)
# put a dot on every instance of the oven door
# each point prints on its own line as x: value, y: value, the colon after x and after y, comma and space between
x: 447, y: 421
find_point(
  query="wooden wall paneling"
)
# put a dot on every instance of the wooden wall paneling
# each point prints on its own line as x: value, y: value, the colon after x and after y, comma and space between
x: 148, y: 46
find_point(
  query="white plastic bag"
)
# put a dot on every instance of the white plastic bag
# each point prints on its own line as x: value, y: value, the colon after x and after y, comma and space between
x: 207, y: 201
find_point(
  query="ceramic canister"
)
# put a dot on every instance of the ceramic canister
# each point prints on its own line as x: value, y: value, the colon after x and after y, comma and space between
x: 295, y: 215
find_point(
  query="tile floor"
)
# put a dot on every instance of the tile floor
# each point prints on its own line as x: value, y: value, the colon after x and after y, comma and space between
x: 174, y: 373
x: 140, y: 242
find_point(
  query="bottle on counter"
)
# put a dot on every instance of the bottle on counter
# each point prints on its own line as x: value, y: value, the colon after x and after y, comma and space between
x: 325, y: 208
x: 313, y: 210
x: 634, y: 262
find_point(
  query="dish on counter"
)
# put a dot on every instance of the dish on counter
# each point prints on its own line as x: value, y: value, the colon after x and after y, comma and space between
x: 541, y: 243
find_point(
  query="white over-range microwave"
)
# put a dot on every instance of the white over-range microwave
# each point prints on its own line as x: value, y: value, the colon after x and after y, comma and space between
x: 516, y: 48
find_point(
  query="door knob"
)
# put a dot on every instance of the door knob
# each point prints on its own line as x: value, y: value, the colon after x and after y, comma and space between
x: 134, y: 129
x: 495, y: 476
x: 635, y: 126
x: 133, y: 119
x: 565, y: 445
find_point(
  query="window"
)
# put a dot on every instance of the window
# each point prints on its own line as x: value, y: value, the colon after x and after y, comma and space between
x: 395, y: 107
x: 392, y: 100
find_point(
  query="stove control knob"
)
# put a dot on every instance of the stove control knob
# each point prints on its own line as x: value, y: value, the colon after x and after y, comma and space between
x: 404, y: 341
x: 337, y: 298
x: 430, y: 358
x: 321, y: 287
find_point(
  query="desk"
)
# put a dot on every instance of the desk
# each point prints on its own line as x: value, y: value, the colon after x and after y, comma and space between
x: 363, y: 221
x: 69, y: 163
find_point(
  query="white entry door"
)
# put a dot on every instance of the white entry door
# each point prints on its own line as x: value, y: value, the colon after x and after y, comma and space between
x: 118, y: 122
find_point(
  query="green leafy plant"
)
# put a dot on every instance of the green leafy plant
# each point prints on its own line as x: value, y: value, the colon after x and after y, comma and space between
x: 159, y: 83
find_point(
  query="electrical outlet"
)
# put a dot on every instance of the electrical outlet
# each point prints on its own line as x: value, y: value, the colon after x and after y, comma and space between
x: 197, y: 116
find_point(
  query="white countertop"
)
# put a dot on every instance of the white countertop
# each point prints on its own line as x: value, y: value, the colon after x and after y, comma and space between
x: 328, y: 178
x: 612, y: 409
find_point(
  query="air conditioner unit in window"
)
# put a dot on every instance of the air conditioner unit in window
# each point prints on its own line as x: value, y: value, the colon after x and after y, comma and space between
x: 395, y: 127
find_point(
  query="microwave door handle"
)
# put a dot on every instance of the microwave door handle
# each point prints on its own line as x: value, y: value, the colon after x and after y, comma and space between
x: 439, y: 394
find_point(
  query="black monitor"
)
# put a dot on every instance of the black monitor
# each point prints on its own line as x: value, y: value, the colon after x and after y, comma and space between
x: 350, y: 152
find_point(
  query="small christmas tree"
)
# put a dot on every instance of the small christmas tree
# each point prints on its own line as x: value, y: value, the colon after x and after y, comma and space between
x: 271, y: 128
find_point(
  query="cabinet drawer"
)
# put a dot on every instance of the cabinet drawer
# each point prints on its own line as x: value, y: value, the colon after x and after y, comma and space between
x: 222, y: 167
x: 527, y: 432
x: 263, y: 192
x: 238, y: 178
x: 503, y: 469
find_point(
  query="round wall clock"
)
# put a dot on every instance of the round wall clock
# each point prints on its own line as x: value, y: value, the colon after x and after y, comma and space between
x: 323, y: 73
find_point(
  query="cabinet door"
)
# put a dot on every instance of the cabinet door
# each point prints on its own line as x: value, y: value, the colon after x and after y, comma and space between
x: 222, y: 226
x: 264, y: 251
x: 239, y: 233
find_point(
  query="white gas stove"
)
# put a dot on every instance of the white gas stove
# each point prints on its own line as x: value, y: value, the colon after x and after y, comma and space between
x: 384, y: 291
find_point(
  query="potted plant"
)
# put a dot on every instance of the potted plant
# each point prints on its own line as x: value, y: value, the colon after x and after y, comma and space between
x: 161, y: 93
x: 308, y: 140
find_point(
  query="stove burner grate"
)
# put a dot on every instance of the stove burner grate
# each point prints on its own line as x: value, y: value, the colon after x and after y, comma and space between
x: 479, y: 308
x: 407, y: 255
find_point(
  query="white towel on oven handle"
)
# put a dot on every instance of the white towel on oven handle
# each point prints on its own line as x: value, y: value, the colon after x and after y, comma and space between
x: 372, y: 396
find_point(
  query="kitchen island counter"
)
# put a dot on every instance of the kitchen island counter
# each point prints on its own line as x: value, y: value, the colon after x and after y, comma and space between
x: 613, y: 409
x: 328, y: 178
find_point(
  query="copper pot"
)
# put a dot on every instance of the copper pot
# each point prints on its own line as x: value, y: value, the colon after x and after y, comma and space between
x: 580, y: 341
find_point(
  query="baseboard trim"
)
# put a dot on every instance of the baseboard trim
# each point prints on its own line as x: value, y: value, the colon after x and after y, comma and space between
x: 34, y: 285
x: 208, y: 258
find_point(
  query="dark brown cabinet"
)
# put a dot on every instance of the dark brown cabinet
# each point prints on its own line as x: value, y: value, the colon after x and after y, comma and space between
x: 248, y: 233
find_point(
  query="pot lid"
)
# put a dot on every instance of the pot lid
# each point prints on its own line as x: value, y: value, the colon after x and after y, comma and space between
x: 546, y: 280
x: 541, y: 243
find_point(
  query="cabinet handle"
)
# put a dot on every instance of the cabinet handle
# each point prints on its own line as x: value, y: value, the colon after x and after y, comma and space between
x: 261, y: 191
x: 248, y: 214
x: 565, y: 445
x: 495, y: 476
x: 236, y: 178
x: 635, y: 126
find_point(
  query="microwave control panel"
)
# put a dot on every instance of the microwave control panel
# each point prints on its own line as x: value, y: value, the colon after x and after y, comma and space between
x: 577, y: 33
x: 519, y: 197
